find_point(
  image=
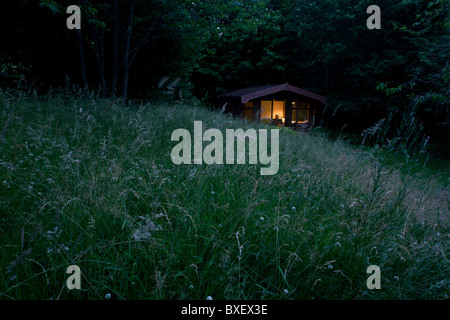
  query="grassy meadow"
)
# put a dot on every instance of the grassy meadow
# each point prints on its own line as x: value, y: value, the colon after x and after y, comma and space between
x: 90, y: 181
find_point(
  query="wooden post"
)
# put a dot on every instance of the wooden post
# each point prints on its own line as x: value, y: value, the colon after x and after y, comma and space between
x: 311, y: 107
x: 256, y: 110
x: 288, y: 112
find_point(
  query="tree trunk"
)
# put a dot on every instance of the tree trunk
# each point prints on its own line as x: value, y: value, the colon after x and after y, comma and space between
x: 82, y: 60
x: 321, y: 122
x: 98, y: 48
x: 102, y: 61
x: 115, y: 49
x: 126, y: 66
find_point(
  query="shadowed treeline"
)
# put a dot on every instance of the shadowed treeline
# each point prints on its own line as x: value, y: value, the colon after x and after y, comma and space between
x: 125, y: 48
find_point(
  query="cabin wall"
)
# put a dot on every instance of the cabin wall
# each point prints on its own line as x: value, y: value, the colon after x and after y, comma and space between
x: 235, y: 107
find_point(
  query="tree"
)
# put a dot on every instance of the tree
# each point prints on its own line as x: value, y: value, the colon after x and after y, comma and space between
x: 127, y: 47
x: 427, y: 79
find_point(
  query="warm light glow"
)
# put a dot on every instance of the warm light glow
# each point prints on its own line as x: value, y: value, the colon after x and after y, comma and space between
x: 266, y: 109
x: 278, y: 109
x: 272, y: 109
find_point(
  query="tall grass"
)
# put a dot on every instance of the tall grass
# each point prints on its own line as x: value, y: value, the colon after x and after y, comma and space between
x: 89, y: 181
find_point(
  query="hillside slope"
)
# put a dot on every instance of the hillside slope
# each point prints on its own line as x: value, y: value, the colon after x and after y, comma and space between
x: 90, y: 182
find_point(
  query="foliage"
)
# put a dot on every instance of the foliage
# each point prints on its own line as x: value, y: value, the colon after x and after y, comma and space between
x: 427, y: 81
x: 220, y: 45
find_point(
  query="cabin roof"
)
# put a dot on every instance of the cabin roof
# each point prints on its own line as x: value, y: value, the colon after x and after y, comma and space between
x: 251, y: 93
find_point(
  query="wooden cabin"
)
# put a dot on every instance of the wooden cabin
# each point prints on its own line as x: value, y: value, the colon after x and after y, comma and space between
x: 283, y: 105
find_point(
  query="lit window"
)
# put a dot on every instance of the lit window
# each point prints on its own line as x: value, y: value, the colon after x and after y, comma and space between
x: 273, y: 110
